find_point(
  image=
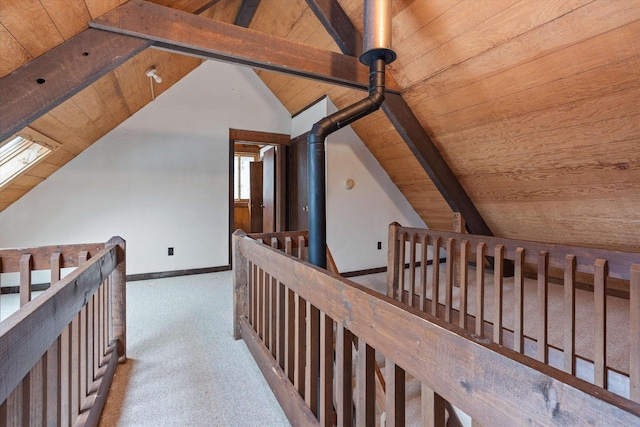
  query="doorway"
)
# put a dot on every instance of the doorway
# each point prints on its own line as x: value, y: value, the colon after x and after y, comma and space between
x: 257, y: 210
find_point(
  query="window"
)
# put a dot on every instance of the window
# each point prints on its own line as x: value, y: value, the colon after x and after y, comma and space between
x: 241, y: 179
x: 17, y: 154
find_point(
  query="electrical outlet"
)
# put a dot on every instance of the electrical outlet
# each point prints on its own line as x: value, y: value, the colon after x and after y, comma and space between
x: 170, y: 251
x: 379, y: 246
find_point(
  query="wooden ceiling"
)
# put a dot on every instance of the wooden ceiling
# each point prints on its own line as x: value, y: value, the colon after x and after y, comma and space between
x: 532, y: 104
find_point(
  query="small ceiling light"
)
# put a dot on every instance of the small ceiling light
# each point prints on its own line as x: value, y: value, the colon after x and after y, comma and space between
x: 153, y: 75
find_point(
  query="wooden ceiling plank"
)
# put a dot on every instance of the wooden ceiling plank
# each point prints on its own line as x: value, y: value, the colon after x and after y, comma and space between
x: 70, y: 19
x: 99, y: 7
x: 109, y: 90
x: 194, y: 35
x: 94, y: 107
x: 599, y: 82
x: 13, y: 54
x: 64, y: 71
x: 431, y: 160
x: 128, y: 82
x: 226, y: 11
x: 29, y: 23
x: 48, y: 125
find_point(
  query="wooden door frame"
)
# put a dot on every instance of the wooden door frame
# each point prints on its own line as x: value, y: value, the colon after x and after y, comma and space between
x: 280, y: 141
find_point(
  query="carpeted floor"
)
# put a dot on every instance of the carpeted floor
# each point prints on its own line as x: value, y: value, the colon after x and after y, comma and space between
x: 184, y: 368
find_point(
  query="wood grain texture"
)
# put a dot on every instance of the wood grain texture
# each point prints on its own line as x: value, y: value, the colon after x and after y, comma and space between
x: 374, y: 319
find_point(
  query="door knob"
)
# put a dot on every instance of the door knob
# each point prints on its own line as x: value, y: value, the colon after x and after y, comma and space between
x: 305, y: 208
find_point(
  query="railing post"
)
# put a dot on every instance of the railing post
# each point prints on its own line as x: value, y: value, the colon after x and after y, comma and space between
x: 240, y: 284
x: 118, y: 282
x: 392, y: 260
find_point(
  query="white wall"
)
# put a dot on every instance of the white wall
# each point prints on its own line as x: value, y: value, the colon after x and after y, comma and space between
x: 357, y: 219
x: 159, y: 180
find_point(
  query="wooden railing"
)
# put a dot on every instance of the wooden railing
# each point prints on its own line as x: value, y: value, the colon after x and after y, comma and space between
x: 469, y: 254
x: 300, y: 322
x: 59, y: 351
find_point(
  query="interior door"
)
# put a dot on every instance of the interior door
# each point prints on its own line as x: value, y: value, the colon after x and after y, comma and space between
x: 269, y: 191
x: 255, y: 202
x: 298, y: 190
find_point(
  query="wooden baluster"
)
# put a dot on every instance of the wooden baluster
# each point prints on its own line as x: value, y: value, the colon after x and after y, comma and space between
x: 344, y: 375
x: 412, y: 271
x: 53, y: 385
x: 393, y: 257
x: 518, y: 291
x: 25, y: 279
x: 301, y: 332
x: 433, y: 407
x: 435, y: 277
x: 401, y: 261
x: 365, y: 385
x: 543, y: 302
x: 312, y: 358
x: 395, y: 405
x: 600, y: 306
x: 274, y: 309
x: 96, y: 330
x: 250, y: 295
x: 37, y: 399
x: 634, y: 330
x: 266, y: 313
x: 326, y: 370
x: 55, y: 267
x: 261, y: 305
x: 65, y: 376
x: 497, y: 293
x: 569, y: 349
x: 256, y: 299
x: 74, y: 370
x: 449, y: 281
x: 463, y: 272
x: 253, y: 310
x: 423, y: 272
x: 83, y: 341
x: 480, y: 253
x: 290, y: 325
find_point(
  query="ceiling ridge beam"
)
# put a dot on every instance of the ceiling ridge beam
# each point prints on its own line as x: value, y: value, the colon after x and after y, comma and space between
x: 332, y: 16
x: 182, y: 32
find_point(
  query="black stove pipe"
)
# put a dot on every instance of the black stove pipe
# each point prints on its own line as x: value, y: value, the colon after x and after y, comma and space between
x: 316, y: 154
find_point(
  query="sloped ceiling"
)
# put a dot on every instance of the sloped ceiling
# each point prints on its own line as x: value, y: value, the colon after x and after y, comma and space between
x: 533, y: 104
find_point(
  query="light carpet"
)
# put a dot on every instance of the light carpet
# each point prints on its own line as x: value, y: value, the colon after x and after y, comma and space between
x: 184, y: 368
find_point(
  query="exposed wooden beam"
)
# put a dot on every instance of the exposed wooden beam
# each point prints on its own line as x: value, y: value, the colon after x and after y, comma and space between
x: 52, y: 78
x: 246, y: 12
x: 333, y: 17
x: 57, y: 75
x: 338, y: 25
x: 427, y: 154
x: 194, y: 35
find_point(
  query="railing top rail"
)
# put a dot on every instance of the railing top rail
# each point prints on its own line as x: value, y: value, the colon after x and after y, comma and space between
x: 499, y: 387
x: 29, y: 332
x: 281, y: 236
x: 619, y: 263
x: 41, y: 256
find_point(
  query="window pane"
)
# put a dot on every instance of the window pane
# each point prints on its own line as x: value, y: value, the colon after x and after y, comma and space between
x: 236, y: 177
x: 245, y: 180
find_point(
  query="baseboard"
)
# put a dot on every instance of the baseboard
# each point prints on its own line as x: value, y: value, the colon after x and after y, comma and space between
x: 176, y: 273
x: 16, y: 289
x: 381, y: 269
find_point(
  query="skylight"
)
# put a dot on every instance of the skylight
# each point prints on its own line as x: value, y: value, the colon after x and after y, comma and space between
x: 17, y: 154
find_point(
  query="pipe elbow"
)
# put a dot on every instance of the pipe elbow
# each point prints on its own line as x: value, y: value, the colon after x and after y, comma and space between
x: 318, y: 133
x: 377, y: 98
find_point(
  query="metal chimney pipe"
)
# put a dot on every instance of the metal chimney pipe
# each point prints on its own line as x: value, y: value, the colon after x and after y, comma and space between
x: 377, y: 54
x: 377, y: 31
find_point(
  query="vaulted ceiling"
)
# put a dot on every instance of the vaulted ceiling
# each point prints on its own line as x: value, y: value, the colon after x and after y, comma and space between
x: 525, y: 110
